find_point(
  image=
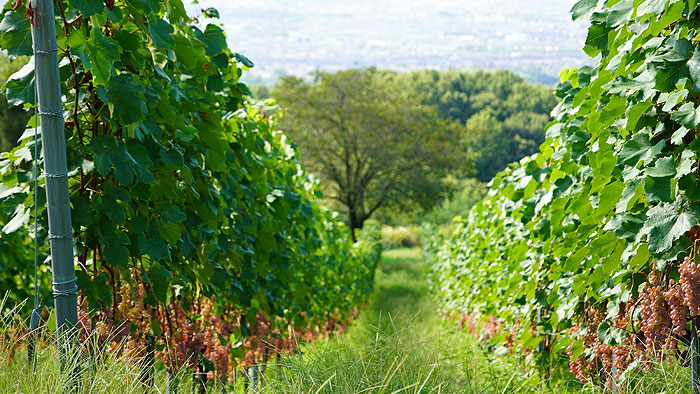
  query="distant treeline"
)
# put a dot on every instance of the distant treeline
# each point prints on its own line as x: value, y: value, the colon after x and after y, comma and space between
x: 503, y: 114
x: 498, y: 118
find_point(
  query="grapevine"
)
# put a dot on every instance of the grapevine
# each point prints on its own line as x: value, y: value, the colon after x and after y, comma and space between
x: 197, y: 232
x: 595, y: 236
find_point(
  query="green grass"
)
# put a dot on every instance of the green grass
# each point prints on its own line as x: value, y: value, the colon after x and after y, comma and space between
x: 101, y: 372
x: 383, y: 352
x: 399, y: 345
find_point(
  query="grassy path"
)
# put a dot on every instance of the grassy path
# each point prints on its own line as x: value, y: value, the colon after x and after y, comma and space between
x: 385, y: 351
x: 401, y: 298
x: 399, y: 345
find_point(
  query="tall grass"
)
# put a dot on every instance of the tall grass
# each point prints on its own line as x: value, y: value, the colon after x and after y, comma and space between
x: 650, y: 377
x: 392, y: 363
x: 101, y: 371
x: 399, y: 345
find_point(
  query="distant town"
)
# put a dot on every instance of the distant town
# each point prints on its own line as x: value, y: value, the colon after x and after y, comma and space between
x: 536, y: 39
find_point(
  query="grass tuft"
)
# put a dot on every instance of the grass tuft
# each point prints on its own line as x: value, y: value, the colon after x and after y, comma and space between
x: 392, y: 362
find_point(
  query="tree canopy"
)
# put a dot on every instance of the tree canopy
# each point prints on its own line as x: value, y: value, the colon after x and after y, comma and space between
x: 370, y: 141
x: 376, y: 135
x: 503, y: 114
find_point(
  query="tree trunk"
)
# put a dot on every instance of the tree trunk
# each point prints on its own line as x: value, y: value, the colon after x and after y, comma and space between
x: 355, y: 221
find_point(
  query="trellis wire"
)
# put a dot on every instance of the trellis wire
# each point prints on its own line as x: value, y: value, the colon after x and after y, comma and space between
x: 695, y: 356
x: 36, y: 311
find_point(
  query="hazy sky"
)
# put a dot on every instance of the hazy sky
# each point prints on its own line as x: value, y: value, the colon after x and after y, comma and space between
x: 301, y: 35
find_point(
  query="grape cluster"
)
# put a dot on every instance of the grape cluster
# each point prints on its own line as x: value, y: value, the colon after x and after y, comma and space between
x: 626, y: 352
x: 492, y: 326
x: 216, y: 352
x: 577, y: 366
x: 191, y: 330
x: 603, y: 357
x: 678, y: 312
x: 664, y: 307
x: 690, y: 283
x: 656, y: 322
x: 182, y: 340
x: 121, y: 330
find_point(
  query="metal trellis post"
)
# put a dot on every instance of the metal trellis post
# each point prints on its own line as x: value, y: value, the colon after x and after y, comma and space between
x: 56, y: 174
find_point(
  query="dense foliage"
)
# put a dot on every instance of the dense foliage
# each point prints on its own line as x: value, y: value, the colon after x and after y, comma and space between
x: 198, y: 235
x: 372, y: 143
x: 12, y: 119
x: 504, y: 115
x: 358, y: 117
x: 465, y: 194
x: 590, y: 245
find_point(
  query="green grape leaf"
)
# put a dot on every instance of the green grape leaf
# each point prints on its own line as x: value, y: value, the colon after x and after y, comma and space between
x: 116, y: 253
x: 246, y: 62
x: 694, y: 69
x: 114, y: 210
x: 171, y: 232
x: 654, y: 7
x: 639, y: 149
x: 16, y: 33
x: 20, y: 86
x: 668, y: 222
x: 214, y: 38
x: 690, y: 185
x: 160, y: 32
x: 103, y: 51
x: 582, y: 9
x: 668, y: 75
x: 123, y: 164
x: 125, y: 98
x: 176, y: 11
x: 88, y: 7
x: 159, y: 278
x: 658, y: 189
x: 152, y: 245
x: 632, y: 192
x: 670, y: 15
x: 20, y: 218
x: 94, y: 289
x: 663, y: 167
x: 597, y: 39
x: 172, y: 157
x: 687, y: 115
x: 620, y: 13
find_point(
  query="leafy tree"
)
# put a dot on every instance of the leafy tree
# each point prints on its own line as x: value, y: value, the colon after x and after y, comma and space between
x: 372, y: 143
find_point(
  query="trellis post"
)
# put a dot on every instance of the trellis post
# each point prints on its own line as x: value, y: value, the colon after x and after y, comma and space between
x: 53, y: 140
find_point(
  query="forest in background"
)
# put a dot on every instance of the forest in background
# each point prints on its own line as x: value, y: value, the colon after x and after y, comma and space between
x: 444, y: 135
